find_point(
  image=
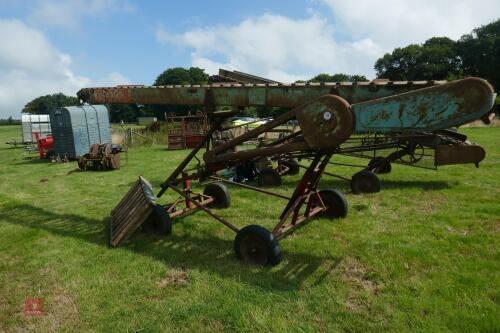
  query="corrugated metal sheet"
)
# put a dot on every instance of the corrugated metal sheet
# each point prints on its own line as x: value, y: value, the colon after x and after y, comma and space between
x: 75, y: 128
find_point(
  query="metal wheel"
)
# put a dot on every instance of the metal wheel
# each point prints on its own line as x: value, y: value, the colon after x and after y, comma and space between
x: 365, y: 182
x: 269, y: 177
x: 335, y: 202
x: 158, y: 222
x: 50, y: 155
x: 415, y: 156
x: 257, y: 246
x: 293, y: 167
x: 220, y: 193
x: 82, y: 164
x: 380, y: 165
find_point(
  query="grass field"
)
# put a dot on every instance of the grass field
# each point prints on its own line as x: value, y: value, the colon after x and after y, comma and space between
x: 421, y: 256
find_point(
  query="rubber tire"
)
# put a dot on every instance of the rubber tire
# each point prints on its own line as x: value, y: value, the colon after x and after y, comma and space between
x: 50, y: 155
x: 269, y: 177
x: 269, y: 252
x: 159, y: 222
x: 293, y: 165
x: 81, y: 164
x: 384, y: 166
x: 365, y: 182
x: 220, y: 193
x: 335, y: 202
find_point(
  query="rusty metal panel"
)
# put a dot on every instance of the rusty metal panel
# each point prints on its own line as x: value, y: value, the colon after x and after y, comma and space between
x: 241, y: 77
x: 241, y: 95
x: 326, y: 122
x: 459, y: 154
x: 444, y: 106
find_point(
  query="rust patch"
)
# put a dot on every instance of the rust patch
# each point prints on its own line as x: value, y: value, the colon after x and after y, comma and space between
x: 326, y: 122
x: 382, y: 115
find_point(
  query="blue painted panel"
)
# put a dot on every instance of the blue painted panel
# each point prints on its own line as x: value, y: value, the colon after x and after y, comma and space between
x: 78, y: 127
x: 448, y: 105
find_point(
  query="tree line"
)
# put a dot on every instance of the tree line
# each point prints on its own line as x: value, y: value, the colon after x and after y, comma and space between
x: 438, y: 58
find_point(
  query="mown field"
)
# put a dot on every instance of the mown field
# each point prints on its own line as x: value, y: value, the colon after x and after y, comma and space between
x: 421, y: 256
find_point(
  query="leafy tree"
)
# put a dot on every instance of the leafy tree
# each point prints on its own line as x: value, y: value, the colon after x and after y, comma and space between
x: 436, y: 59
x: 401, y: 64
x: 44, y: 104
x: 440, y: 59
x: 126, y: 112
x: 358, y: 78
x: 340, y: 77
x: 179, y: 75
x: 480, y: 53
x: 323, y: 77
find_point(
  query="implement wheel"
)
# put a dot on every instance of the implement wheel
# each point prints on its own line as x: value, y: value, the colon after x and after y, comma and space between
x: 81, y: 163
x: 257, y: 246
x: 335, y: 202
x: 269, y: 177
x: 365, y: 182
x: 220, y: 193
x: 50, y: 155
x: 380, y: 165
x: 159, y: 222
x: 293, y: 167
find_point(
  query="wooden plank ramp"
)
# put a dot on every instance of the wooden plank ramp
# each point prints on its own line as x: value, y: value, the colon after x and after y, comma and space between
x: 131, y: 212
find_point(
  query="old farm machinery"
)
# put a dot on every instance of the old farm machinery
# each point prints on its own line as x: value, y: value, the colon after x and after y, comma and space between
x: 45, y: 146
x: 105, y: 156
x: 423, y: 150
x: 334, y: 118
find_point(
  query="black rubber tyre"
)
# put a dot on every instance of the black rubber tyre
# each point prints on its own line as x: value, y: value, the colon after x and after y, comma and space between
x: 257, y: 246
x: 293, y: 167
x: 220, y: 193
x: 50, y: 155
x: 365, y: 182
x: 245, y: 171
x: 81, y: 164
x: 269, y: 177
x: 159, y: 222
x: 380, y: 165
x: 335, y: 202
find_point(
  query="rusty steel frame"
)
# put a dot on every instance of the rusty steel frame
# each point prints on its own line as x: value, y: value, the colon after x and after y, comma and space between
x: 249, y: 187
x: 328, y: 116
x: 198, y: 205
x: 306, y: 193
x: 306, y: 188
x: 198, y: 197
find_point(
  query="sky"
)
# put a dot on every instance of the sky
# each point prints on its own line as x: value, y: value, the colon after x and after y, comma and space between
x: 51, y: 46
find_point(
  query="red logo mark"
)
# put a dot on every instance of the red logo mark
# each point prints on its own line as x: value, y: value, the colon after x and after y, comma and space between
x: 33, y: 307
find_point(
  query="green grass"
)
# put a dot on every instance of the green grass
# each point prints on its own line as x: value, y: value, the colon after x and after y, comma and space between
x: 420, y: 256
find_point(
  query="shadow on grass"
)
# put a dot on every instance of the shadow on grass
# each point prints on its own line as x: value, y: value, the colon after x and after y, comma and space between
x: 33, y: 160
x: 386, y: 184
x: 12, y: 147
x: 182, y: 250
x: 77, y: 170
x: 429, y: 185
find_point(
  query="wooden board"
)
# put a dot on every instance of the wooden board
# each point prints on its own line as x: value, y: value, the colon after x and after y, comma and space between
x: 131, y: 212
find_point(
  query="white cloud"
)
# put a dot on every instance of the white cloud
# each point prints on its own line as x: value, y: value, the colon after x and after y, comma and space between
x: 112, y: 79
x: 30, y: 67
x: 395, y: 23
x: 68, y: 13
x: 286, y: 49
x: 272, y: 46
